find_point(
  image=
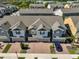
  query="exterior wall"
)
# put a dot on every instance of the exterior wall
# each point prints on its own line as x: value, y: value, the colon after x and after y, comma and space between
x: 18, y: 39
x: 42, y: 34
x: 39, y: 40
x: 58, y: 33
x: 72, y: 26
x: 22, y: 33
x: 61, y: 39
x: 4, y: 36
x: 33, y: 32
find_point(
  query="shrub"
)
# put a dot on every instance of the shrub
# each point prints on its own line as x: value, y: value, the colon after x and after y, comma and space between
x: 24, y: 46
x: 36, y: 58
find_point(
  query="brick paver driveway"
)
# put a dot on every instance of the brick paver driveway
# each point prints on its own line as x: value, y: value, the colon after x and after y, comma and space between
x: 15, y: 48
x: 39, y: 47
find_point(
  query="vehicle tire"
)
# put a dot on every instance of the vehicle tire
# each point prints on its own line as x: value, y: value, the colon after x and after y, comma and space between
x: 1, y: 16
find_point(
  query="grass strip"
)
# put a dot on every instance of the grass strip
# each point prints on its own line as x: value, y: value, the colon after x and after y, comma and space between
x: 6, y: 48
x: 21, y: 57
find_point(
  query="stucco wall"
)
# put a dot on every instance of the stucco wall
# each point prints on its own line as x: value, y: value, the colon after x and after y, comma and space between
x: 22, y: 33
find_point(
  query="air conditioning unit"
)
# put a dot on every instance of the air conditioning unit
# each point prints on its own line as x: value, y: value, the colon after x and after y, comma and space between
x: 58, y: 12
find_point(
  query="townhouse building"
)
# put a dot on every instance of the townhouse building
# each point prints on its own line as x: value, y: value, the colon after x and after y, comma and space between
x: 39, y: 28
x: 37, y: 5
x: 36, y: 12
x: 4, y: 29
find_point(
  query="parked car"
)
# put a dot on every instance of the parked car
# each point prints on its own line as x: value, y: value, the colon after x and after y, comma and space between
x: 7, y: 9
x: 12, y: 7
x: 58, y: 46
x: 2, y: 9
x: 1, y: 14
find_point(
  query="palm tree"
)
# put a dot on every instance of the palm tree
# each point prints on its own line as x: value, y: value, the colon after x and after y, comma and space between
x: 73, y: 37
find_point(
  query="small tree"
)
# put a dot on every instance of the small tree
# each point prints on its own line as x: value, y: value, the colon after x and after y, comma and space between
x: 46, y: 4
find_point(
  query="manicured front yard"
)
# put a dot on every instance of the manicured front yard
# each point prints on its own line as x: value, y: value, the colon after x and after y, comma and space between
x: 76, y: 58
x: 72, y: 51
x: 6, y: 48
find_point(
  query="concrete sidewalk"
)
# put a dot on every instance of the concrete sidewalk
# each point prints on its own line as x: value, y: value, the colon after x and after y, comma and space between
x: 40, y: 56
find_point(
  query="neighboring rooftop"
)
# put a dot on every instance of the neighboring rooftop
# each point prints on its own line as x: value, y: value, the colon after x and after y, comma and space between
x: 35, y: 11
x: 71, y: 10
x: 37, y: 5
x: 56, y: 5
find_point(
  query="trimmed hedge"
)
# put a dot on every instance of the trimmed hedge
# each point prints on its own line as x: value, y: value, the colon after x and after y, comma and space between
x: 21, y: 57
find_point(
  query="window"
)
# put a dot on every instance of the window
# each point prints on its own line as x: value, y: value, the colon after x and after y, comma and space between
x: 33, y: 32
x: 54, y: 36
x: 42, y: 32
x: 57, y: 32
x: 1, y: 31
x: 17, y: 32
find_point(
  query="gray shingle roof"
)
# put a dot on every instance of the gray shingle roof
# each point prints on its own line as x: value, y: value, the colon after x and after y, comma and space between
x: 36, y: 11
x: 37, y: 5
x: 5, y: 24
x: 19, y: 25
x: 71, y: 10
x: 55, y: 5
x: 28, y: 20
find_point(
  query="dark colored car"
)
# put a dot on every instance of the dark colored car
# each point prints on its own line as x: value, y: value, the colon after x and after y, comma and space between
x: 2, y: 11
x: 7, y: 9
x: 58, y: 46
x: 12, y: 7
x: 1, y: 14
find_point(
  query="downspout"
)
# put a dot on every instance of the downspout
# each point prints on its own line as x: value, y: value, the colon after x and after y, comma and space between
x: 10, y: 34
x: 51, y: 35
x: 26, y: 34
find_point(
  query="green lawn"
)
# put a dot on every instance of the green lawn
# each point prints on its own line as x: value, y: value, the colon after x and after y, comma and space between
x: 54, y: 58
x: 72, y: 51
x: 6, y: 48
x: 76, y: 58
x: 21, y: 57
